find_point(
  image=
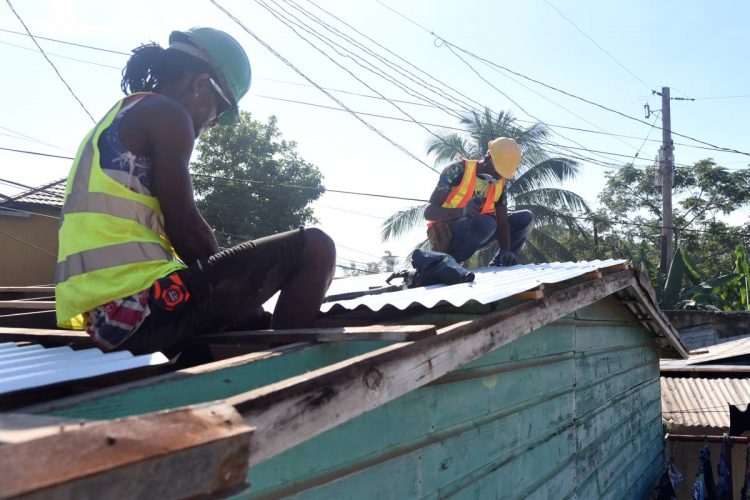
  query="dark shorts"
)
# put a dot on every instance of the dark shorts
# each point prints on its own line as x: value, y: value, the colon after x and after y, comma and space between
x: 225, y: 293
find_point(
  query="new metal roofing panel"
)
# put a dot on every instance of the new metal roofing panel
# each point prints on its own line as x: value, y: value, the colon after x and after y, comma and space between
x: 490, y: 285
x: 31, y: 366
x: 701, y: 402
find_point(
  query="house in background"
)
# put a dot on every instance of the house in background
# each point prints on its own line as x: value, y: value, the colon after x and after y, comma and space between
x: 696, y: 394
x: 28, y: 232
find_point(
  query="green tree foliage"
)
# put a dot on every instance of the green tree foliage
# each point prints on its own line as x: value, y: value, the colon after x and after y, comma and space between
x: 628, y: 224
x: 535, y: 186
x: 251, y: 150
x: 688, y: 288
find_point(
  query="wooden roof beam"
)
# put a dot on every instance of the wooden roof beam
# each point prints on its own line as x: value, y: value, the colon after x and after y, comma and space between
x: 203, y: 449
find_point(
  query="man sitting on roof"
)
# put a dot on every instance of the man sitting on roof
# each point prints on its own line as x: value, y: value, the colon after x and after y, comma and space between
x: 138, y: 266
x: 468, y: 209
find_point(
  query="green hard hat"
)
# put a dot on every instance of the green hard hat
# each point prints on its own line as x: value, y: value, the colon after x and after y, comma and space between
x: 228, y: 59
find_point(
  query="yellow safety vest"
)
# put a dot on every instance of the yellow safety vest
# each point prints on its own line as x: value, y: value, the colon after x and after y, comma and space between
x: 461, y: 195
x: 112, y: 242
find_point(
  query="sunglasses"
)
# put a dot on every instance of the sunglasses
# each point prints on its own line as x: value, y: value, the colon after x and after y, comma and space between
x: 221, y: 93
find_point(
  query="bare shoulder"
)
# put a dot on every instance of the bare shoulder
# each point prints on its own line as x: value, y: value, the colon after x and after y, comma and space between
x: 155, y: 122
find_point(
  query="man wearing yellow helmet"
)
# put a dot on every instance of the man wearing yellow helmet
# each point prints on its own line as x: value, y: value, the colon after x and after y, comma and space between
x: 138, y: 266
x: 468, y: 209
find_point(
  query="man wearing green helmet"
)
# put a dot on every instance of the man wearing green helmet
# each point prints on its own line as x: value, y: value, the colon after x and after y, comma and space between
x: 138, y: 266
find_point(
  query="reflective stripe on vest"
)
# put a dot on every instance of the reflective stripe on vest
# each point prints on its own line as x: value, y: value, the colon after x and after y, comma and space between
x: 111, y: 256
x: 461, y: 195
x: 112, y: 240
x: 118, y: 207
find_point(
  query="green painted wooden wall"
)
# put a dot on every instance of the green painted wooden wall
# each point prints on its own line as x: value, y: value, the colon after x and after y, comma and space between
x: 571, y: 410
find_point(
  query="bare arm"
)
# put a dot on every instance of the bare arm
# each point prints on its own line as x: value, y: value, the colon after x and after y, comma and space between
x: 503, y: 228
x: 171, y: 138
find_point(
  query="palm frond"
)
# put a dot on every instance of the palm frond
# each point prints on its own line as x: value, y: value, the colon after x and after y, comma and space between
x: 531, y: 254
x: 561, y: 199
x: 550, y: 247
x: 551, y: 171
x: 545, y: 215
x: 448, y: 148
x: 402, y: 222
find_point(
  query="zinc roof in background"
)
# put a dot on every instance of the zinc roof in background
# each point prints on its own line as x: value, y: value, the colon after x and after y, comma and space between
x: 31, y: 366
x: 701, y: 403
x: 733, y: 352
x: 490, y: 285
x: 52, y: 195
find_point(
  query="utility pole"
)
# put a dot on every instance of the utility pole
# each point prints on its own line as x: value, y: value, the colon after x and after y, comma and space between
x: 666, y: 166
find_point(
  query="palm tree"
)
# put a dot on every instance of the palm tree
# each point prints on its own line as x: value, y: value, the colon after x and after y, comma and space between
x: 535, y: 186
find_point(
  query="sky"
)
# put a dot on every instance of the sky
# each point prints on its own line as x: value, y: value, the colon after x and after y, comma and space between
x: 611, y: 53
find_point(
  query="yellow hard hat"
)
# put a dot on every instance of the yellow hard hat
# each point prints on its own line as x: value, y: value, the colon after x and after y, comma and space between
x: 506, y: 155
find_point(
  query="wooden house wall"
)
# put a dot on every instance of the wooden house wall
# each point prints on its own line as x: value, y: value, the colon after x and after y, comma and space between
x: 570, y: 410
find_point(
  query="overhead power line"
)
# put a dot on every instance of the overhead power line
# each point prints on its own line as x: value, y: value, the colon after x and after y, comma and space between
x: 578, y: 28
x: 328, y: 41
x: 49, y: 61
x: 552, y: 87
x: 21, y: 240
x: 424, y: 104
x: 65, y: 42
x: 357, y: 193
x: 331, y: 96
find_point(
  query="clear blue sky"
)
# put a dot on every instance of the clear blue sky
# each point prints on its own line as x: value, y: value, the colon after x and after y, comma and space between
x: 694, y: 48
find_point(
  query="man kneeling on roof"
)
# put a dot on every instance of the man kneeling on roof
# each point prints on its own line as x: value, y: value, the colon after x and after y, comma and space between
x: 468, y: 209
x: 138, y: 266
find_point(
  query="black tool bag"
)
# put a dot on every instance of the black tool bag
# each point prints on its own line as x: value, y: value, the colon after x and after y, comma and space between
x: 432, y: 268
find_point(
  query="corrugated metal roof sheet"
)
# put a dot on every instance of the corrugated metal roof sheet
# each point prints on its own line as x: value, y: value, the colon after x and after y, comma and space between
x: 701, y: 402
x: 717, y: 354
x: 52, y: 194
x: 490, y: 285
x: 30, y: 366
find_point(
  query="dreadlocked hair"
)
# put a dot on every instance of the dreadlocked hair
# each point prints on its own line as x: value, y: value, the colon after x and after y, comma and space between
x: 152, y: 65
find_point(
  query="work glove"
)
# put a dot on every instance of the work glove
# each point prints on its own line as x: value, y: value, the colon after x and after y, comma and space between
x: 472, y: 208
x: 504, y: 258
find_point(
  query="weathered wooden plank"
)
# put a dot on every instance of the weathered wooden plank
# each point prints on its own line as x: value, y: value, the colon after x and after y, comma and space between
x: 292, y: 411
x: 645, y: 293
x: 513, y: 473
x: 594, y: 394
x: 387, y: 333
x: 610, y: 308
x: 598, y: 422
x: 593, y: 337
x: 527, y: 295
x: 189, y: 452
x: 437, y: 423
x: 38, y: 305
x: 546, y: 341
x: 632, y: 461
x: 27, y: 289
x: 18, y: 427
x: 593, y: 275
x: 204, y: 383
x: 452, y: 453
x: 627, y: 425
x: 44, y: 336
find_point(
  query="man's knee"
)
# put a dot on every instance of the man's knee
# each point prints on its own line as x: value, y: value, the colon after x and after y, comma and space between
x: 319, y: 248
x: 525, y: 220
